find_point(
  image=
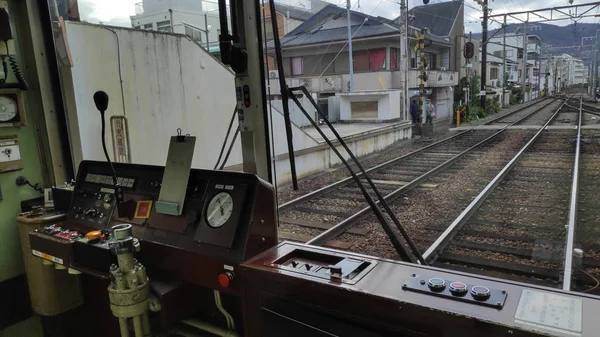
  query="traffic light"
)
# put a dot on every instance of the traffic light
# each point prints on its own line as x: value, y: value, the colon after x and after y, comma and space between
x: 469, y: 50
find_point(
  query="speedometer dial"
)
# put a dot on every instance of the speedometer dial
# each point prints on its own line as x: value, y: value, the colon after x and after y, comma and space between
x: 8, y: 109
x: 219, y: 210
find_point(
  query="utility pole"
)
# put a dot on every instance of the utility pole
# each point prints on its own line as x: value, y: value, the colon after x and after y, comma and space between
x: 524, y: 60
x: 595, y: 67
x: 423, y: 77
x: 403, y: 55
x: 348, y: 7
x: 484, y: 26
x: 539, y: 78
x: 504, y: 61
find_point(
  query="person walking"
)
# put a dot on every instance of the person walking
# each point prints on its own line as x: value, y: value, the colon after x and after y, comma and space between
x: 414, y: 111
x: 430, y: 112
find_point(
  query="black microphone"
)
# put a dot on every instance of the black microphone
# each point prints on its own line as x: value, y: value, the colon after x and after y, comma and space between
x: 101, y: 101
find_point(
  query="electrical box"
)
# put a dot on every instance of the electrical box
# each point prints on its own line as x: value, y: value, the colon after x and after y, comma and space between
x: 10, y: 154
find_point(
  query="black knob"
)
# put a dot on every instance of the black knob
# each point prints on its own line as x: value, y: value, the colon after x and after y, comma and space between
x: 294, y: 264
x: 307, y: 266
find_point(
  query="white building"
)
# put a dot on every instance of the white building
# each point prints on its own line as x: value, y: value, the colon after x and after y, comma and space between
x: 565, y: 71
x: 198, y: 19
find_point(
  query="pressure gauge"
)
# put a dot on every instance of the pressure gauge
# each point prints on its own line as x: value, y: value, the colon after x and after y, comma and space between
x: 219, y: 210
x: 8, y: 109
x: 11, y: 108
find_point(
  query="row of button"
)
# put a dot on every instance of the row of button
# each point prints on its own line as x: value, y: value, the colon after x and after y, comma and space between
x: 456, y: 288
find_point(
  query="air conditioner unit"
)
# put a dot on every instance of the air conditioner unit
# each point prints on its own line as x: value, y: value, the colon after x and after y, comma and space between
x: 273, y: 74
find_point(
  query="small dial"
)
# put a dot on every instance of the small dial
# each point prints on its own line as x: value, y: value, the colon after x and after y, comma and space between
x: 8, y: 109
x: 219, y: 210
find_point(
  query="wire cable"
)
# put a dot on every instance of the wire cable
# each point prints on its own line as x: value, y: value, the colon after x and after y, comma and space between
x: 235, y: 135
x: 226, y: 138
x: 367, y: 196
x: 593, y: 278
x: 120, y: 70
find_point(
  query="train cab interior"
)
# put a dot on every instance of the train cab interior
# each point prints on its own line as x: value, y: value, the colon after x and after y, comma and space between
x: 100, y: 246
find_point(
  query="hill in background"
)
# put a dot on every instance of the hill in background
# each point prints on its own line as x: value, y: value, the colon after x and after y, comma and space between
x: 575, y: 39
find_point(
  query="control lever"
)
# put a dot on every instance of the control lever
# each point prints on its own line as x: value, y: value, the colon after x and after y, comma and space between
x: 101, y: 101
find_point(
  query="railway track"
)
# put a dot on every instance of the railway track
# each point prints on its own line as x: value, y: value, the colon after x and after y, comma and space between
x: 321, y: 216
x: 524, y: 225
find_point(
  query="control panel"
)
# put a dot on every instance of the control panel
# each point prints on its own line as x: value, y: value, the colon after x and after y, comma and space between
x: 227, y: 217
x: 456, y: 290
x: 314, y: 291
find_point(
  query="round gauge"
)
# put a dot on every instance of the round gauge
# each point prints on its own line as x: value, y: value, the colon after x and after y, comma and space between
x: 219, y: 209
x: 8, y: 109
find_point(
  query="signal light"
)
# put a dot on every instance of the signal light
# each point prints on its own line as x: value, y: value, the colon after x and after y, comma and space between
x: 469, y: 50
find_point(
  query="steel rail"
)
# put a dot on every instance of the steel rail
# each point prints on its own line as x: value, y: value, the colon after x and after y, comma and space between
x: 349, y: 180
x: 568, y: 265
x: 443, y: 240
x: 342, y: 226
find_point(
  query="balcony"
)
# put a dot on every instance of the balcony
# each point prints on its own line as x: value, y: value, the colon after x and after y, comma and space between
x: 365, y: 81
x: 139, y: 8
x: 436, y: 78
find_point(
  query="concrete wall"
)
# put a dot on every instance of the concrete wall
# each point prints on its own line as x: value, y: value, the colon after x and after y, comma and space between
x: 321, y: 157
x: 168, y: 83
x: 296, y: 115
x: 389, y: 103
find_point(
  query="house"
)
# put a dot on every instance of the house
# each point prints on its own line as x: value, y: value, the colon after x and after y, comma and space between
x: 288, y: 19
x: 315, y: 55
x: 514, y: 57
x: 445, y: 20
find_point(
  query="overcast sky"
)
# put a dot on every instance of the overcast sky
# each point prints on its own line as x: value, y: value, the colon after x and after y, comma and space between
x: 117, y: 12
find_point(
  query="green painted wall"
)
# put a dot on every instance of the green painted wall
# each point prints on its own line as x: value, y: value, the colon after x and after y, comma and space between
x: 11, y: 259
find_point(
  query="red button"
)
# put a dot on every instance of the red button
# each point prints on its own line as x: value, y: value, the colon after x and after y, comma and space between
x: 225, y: 279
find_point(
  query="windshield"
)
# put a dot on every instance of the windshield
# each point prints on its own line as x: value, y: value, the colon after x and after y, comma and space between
x: 471, y: 138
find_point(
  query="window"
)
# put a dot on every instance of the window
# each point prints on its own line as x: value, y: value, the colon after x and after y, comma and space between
x: 365, y: 60
x: 394, y: 59
x: 195, y: 34
x: 147, y: 26
x: 493, y: 73
x: 163, y: 26
x: 297, y: 66
x: 432, y: 59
